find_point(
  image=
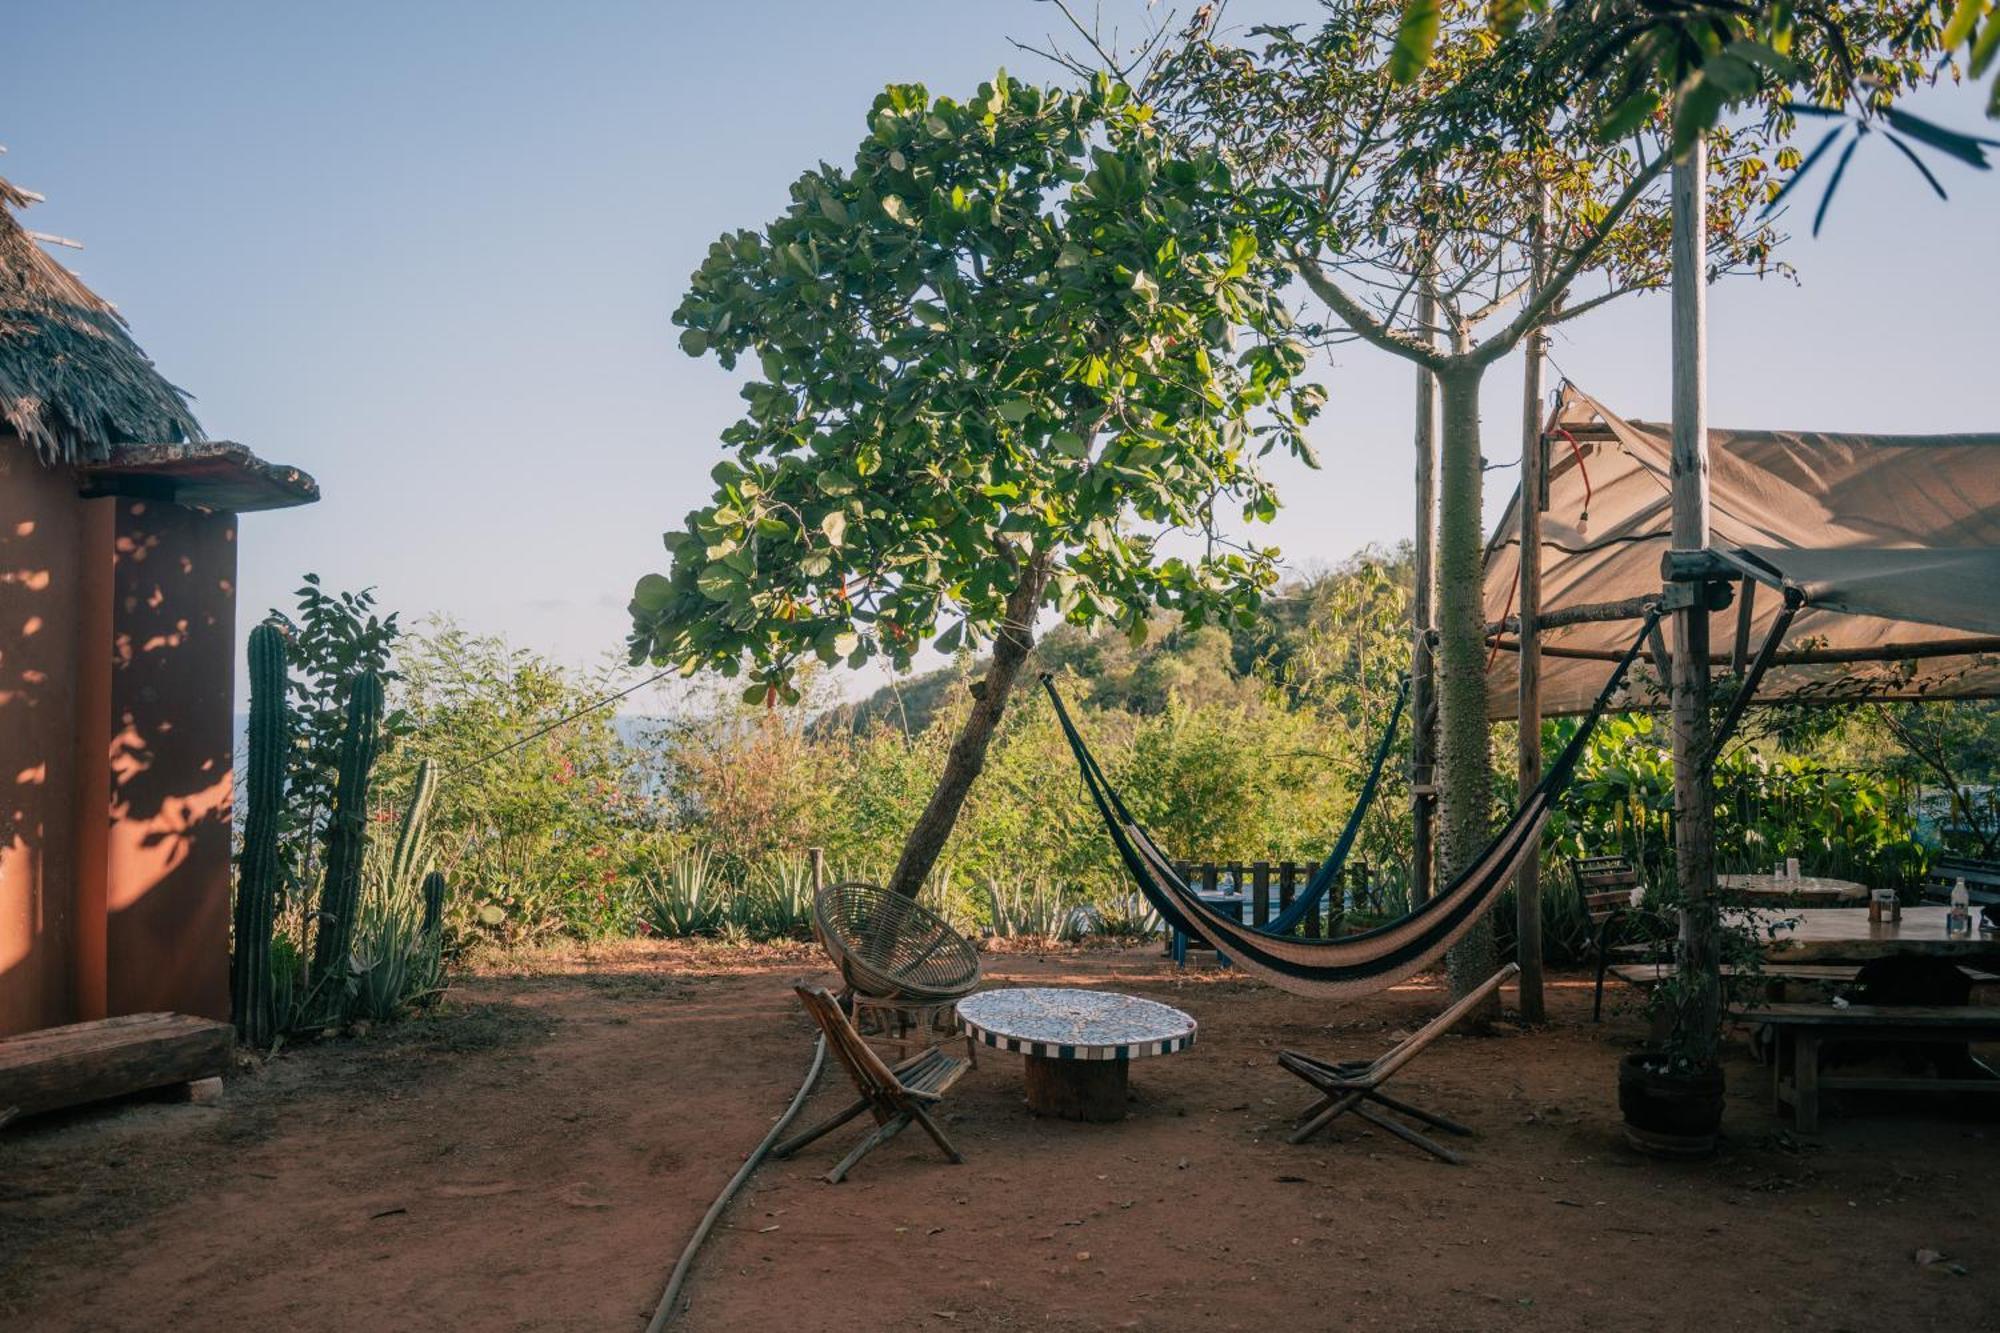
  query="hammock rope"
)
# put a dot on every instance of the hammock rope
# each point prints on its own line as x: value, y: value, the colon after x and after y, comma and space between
x: 1325, y: 877
x: 1370, y: 960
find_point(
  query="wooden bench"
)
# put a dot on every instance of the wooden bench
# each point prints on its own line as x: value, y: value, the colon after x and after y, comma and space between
x: 1982, y: 879
x: 111, y: 1057
x: 1801, y: 1029
x: 1645, y: 976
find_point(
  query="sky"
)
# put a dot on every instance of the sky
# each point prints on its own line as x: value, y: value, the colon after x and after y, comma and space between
x: 430, y: 253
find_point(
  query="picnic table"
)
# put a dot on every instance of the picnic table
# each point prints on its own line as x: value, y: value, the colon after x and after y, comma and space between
x: 1828, y: 935
x: 1806, y: 890
x: 1843, y: 935
x: 1079, y: 1044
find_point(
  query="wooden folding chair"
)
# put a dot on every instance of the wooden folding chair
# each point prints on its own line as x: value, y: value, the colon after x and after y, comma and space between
x: 896, y: 1096
x: 1355, y: 1085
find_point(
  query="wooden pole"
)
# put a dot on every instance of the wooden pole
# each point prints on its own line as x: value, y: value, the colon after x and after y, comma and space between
x: 1423, y: 667
x: 1528, y: 696
x: 1694, y: 805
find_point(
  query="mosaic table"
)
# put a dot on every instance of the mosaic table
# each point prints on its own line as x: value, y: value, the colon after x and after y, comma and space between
x: 1079, y: 1044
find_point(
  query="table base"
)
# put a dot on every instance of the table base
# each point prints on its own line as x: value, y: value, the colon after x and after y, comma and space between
x: 1092, y: 1090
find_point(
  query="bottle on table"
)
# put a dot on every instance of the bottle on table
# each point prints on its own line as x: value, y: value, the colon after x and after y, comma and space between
x: 1959, y: 920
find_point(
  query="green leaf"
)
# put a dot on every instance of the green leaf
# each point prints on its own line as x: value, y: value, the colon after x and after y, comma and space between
x: 1503, y: 16
x: 720, y: 583
x: 1069, y: 444
x: 652, y: 593
x: 1014, y: 410
x: 834, y: 525
x: 694, y: 342
x: 1696, y: 110
x: 1959, y: 26
x: 1416, y: 38
x: 948, y: 641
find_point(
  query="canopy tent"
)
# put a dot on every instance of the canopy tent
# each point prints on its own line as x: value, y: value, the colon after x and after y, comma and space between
x: 1887, y: 547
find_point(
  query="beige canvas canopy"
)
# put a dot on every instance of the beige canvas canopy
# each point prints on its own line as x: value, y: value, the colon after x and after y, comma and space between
x: 1887, y: 546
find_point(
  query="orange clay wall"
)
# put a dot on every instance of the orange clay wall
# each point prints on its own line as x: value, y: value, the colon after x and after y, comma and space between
x: 116, y: 678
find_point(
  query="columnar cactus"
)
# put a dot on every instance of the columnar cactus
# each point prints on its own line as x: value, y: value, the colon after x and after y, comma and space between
x: 257, y: 870
x: 347, y: 828
x: 410, y: 838
x: 434, y: 887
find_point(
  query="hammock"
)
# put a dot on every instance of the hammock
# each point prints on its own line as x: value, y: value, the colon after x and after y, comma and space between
x: 1371, y: 960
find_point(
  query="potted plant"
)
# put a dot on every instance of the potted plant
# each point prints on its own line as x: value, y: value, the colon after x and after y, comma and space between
x: 1671, y: 1091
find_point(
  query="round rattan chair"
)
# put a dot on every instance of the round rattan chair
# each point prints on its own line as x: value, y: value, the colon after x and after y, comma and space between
x: 891, y: 947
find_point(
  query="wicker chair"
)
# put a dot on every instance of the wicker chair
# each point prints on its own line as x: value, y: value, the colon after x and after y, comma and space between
x: 891, y: 947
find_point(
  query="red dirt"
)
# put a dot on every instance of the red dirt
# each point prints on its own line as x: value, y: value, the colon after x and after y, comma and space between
x: 535, y: 1158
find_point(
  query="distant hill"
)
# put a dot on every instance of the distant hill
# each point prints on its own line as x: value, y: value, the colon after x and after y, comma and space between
x: 1208, y: 665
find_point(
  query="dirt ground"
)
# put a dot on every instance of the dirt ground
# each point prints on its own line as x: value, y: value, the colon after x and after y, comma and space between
x: 535, y: 1156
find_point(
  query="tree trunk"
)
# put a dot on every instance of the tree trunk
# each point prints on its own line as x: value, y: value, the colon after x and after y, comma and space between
x: 1464, y: 762
x: 1694, y: 794
x: 968, y: 753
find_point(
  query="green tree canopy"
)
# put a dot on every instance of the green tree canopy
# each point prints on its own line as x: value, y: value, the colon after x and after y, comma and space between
x: 1014, y: 345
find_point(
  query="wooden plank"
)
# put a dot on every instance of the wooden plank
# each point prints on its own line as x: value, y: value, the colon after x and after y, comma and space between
x: 113, y: 1057
x: 1914, y: 1017
x: 1528, y: 682
x: 1739, y: 654
x: 1260, y: 894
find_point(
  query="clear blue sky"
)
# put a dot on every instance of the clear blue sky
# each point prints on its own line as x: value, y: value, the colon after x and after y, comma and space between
x: 429, y: 252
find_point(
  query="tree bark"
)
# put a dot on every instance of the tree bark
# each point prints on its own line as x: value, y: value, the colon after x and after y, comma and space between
x: 1694, y: 795
x: 1423, y: 670
x: 1464, y: 761
x: 968, y: 752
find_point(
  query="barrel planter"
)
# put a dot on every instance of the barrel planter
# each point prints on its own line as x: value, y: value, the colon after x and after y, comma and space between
x: 1669, y: 1114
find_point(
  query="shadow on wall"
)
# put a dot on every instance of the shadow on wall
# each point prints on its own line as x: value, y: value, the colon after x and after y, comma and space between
x: 116, y: 665
x: 41, y: 525
x: 172, y: 681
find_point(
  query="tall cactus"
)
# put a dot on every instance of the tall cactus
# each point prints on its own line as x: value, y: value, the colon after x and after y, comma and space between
x: 410, y: 839
x: 434, y: 888
x: 347, y: 829
x: 257, y: 871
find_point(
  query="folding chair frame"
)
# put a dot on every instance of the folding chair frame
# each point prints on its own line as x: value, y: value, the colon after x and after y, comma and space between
x: 895, y: 1096
x: 1356, y: 1085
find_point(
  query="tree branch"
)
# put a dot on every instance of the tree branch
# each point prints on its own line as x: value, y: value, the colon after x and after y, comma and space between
x: 1564, y: 273
x: 1357, y: 318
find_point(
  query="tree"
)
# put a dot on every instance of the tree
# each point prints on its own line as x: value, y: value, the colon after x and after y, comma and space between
x: 1004, y: 354
x: 1851, y: 63
x: 1393, y: 182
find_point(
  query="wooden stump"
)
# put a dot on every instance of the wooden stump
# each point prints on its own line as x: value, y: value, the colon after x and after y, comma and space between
x: 1092, y: 1090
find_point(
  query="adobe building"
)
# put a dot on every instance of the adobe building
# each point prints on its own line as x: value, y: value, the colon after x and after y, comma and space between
x: 117, y: 660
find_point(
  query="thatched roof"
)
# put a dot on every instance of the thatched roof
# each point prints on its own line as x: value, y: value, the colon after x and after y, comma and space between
x: 73, y: 384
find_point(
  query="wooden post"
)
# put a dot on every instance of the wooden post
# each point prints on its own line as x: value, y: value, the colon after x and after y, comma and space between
x: 817, y: 855
x: 1528, y: 696
x: 1423, y: 668
x: 1260, y: 894
x: 1694, y: 807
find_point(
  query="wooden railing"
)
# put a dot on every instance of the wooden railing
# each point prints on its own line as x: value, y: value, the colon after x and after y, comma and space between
x: 1268, y: 888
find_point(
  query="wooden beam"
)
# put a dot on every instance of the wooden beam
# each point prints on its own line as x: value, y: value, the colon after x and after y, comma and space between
x: 1751, y: 680
x: 1688, y: 672
x: 1894, y: 652
x: 1590, y: 613
x: 1528, y: 685
x: 109, y: 1057
x: 1745, y: 609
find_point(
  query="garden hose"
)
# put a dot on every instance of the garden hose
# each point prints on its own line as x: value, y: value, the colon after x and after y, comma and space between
x: 663, y: 1314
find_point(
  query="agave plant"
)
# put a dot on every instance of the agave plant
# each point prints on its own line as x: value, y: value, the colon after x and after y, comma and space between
x: 682, y: 898
x: 776, y: 901
x: 1033, y: 911
x: 1127, y: 915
